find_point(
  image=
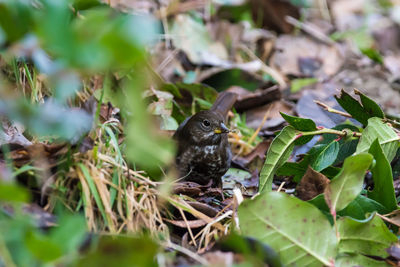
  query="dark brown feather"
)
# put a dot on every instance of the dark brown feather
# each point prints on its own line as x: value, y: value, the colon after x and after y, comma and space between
x: 203, y: 150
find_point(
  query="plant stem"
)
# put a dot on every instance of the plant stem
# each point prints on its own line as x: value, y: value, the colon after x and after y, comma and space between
x: 330, y: 131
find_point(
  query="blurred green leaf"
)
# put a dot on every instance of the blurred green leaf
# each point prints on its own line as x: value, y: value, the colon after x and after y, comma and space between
x: 42, y: 247
x: 13, y: 192
x: 70, y: 232
x: 121, y: 251
x: 298, y: 84
x: 16, y: 19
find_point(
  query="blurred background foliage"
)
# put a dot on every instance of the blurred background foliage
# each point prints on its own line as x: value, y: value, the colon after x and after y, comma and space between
x: 62, y: 44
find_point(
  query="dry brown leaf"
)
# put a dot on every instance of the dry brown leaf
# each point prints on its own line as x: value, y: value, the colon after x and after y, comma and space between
x: 292, y: 52
x: 311, y: 185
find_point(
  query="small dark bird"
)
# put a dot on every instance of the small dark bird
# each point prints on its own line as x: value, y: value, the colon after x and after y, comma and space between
x: 204, y: 154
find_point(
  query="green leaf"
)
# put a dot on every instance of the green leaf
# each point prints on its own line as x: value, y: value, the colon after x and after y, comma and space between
x: 298, y: 123
x: 367, y: 237
x: 308, y: 240
x: 255, y: 252
x: 388, y: 139
x: 13, y: 192
x: 353, y: 107
x: 345, y: 187
x: 370, y: 105
x: 70, y: 232
x: 357, y: 209
x: 327, y: 157
x: 347, y: 260
x: 121, y: 251
x: 298, y: 84
x: 279, y: 151
x: 42, y: 247
x: 383, y: 191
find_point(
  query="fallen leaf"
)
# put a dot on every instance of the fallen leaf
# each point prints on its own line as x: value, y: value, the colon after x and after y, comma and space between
x: 312, y: 184
x: 193, y: 38
x: 293, y: 52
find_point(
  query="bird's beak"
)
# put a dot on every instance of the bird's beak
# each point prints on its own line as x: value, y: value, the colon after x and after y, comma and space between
x: 221, y: 129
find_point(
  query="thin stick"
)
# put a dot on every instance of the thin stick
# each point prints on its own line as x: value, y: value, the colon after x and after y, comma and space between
x: 280, y: 187
x: 332, y: 110
x: 187, y: 226
x: 310, y: 29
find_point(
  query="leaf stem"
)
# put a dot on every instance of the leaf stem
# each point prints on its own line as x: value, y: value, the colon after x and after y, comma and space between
x: 331, y: 131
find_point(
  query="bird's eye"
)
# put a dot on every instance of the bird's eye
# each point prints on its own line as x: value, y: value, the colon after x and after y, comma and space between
x: 206, y: 123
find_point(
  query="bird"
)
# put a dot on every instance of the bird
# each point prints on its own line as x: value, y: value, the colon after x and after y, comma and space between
x: 204, y: 154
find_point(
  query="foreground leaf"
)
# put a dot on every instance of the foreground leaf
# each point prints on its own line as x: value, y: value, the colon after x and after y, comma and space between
x: 358, y: 260
x: 388, y: 138
x: 277, y: 154
x: 297, y: 230
x: 346, y: 186
x: 383, y: 191
x: 368, y: 237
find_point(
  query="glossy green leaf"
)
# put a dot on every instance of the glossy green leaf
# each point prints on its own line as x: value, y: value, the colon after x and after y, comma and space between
x: 383, y: 191
x: 297, y: 230
x: 367, y: 237
x: 327, y: 157
x: 300, y: 124
x: 279, y: 151
x: 346, y: 186
x: 388, y: 139
x: 357, y: 209
x: 353, y: 107
x: 373, y: 109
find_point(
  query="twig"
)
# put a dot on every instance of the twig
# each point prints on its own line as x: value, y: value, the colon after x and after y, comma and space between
x: 310, y: 29
x: 280, y: 187
x: 332, y: 110
x: 343, y: 133
x: 187, y: 226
